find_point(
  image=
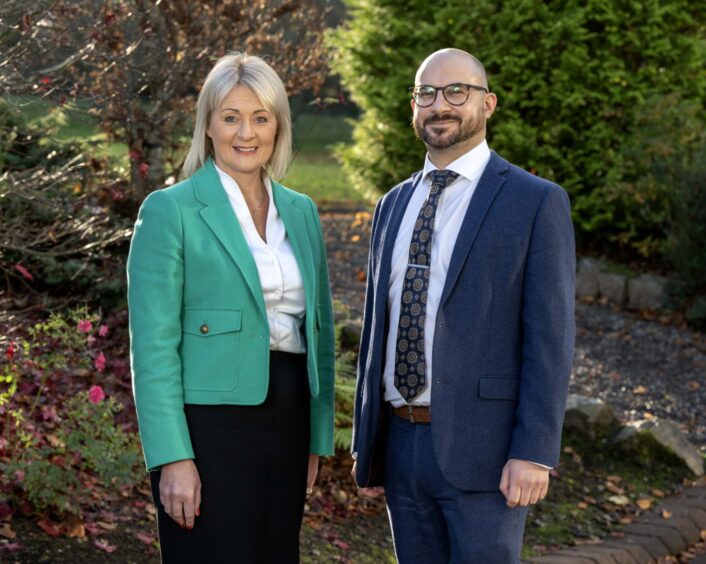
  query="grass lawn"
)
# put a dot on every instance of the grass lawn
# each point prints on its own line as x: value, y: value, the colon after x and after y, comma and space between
x: 313, y: 171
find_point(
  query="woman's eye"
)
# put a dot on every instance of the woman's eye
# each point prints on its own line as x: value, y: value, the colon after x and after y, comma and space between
x: 230, y: 119
x: 261, y: 119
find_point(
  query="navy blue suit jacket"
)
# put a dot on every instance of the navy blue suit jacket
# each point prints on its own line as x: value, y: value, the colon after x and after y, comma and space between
x: 504, y: 336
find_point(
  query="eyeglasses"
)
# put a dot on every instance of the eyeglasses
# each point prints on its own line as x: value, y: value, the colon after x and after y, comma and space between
x: 455, y: 94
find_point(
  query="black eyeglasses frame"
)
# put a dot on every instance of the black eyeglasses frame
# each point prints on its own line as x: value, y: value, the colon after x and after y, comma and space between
x: 413, y: 89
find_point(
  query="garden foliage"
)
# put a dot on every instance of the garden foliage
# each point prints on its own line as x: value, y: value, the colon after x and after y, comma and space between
x: 575, y: 81
x: 64, y: 443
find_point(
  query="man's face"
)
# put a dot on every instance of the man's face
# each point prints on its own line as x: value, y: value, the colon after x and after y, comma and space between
x: 443, y: 125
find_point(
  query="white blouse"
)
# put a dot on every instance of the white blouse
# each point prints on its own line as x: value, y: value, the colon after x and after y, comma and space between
x: 280, y: 278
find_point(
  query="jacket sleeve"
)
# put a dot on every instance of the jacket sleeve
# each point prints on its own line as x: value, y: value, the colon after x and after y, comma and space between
x: 322, y: 406
x: 155, y: 272
x: 366, y: 332
x: 548, y: 332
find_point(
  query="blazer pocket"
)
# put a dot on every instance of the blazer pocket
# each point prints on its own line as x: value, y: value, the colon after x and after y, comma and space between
x: 499, y: 388
x: 210, y: 348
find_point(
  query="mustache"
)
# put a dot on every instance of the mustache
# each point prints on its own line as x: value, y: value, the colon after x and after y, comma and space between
x: 441, y: 117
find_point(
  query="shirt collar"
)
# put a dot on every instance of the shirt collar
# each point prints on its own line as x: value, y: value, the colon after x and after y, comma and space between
x: 233, y: 190
x: 470, y: 165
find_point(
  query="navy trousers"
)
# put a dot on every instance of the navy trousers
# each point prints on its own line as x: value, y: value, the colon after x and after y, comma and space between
x: 432, y: 521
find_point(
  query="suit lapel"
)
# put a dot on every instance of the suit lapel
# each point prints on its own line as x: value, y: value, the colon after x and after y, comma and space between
x: 218, y: 215
x: 488, y: 186
x: 295, y: 225
x: 399, y: 206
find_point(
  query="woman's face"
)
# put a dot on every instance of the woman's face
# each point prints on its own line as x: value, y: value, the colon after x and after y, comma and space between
x: 243, y: 133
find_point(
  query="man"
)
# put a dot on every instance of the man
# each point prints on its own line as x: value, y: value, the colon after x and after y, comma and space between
x: 467, y: 343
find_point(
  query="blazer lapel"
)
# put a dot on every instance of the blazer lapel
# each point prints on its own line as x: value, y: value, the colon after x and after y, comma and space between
x: 296, y: 227
x: 218, y: 215
x: 399, y: 206
x: 488, y: 186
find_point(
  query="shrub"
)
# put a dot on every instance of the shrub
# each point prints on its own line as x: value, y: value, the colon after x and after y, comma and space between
x: 572, y: 79
x: 61, y: 445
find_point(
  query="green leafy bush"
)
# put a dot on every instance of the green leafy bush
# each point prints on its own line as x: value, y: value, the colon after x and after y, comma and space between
x: 573, y: 81
x: 61, y: 440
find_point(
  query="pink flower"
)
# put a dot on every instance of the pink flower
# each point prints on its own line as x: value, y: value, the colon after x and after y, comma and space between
x: 144, y: 170
x: 99, y: 362
x: 11, y: 350
x: 102, y: 330
x: 85, y: 326
x: 90, y: 340
x: 96, y: 394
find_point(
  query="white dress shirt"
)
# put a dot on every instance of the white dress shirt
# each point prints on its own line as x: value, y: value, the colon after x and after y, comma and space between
x: 450, y: 212
x: 280, y: 278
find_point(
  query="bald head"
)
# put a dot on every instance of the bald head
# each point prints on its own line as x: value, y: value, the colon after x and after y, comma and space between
x: 457, y: 65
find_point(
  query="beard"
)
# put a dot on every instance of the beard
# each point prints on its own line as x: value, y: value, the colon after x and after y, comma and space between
x: 466, y: 129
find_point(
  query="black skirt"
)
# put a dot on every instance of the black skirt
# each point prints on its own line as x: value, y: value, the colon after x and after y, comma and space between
x: 252, y: 462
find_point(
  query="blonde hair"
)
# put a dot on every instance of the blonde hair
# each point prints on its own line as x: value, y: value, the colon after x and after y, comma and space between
x: 253, y: 72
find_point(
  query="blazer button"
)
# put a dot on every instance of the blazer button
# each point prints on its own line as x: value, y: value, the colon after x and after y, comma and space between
x: 204, y: 329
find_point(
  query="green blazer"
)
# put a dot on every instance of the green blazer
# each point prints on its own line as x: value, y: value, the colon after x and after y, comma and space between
x: 198, y: 327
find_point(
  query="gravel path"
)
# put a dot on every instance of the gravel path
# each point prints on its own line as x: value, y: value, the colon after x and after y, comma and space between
x: 641, y: 368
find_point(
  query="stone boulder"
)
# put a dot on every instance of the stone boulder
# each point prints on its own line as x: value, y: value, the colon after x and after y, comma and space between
x: 613, y: 287
x: 646, y: 292
x: 662, y: 437
x: 591, y: 417
x: 587, y: 277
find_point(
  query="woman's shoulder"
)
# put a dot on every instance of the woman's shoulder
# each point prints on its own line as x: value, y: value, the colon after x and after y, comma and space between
x: 293, y: 196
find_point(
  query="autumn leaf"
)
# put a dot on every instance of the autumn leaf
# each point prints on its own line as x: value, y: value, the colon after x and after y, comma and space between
x: 48, y: 528
x: 24, y: 272
x: 355, y: 238
x: 145, y: 537
x: 615, y: 479
x: 644, y: 503
x: 7, y: 532
x: 611, y: 487
x: 104, y: 545
x: 582, y: 505
x: 639, y: 390
x: 693, y: 386
x: 619, y: 500
x: 658, y: 493
x: 666, y: 514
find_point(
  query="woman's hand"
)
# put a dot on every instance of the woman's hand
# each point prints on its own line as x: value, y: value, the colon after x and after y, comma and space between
x: 180, y: 491
x: 312, y: 472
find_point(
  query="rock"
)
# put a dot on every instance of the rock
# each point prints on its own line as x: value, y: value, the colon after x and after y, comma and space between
x: 587, y: 277
x: 646, y: 292
x: 589, y: 416
x: 661, y: 434
x: 613, y: 287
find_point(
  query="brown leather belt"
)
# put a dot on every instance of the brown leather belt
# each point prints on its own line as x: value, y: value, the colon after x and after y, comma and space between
x: 413, y: 413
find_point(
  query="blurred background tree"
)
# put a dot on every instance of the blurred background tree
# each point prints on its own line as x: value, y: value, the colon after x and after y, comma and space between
x: 96, y: 105
x: 580, y: 85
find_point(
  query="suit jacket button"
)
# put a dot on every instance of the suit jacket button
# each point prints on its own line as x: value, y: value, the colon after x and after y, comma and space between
x: 204, y: 329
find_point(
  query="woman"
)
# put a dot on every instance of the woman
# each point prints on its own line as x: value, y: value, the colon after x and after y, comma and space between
x: 232, y: 332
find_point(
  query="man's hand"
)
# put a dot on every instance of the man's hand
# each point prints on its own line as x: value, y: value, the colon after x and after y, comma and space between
x: 367, y: 492
x: 523, y: 482
x: 312, y: 471
x: 180, y: 492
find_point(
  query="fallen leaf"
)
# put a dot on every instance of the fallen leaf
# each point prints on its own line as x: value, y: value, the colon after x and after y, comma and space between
x: 355, y: 238
x: 648, y: 415
x: 644, y: 503
x: 693, y: 385
x: 11, y: 546
x: 639, y: 390
x: 658, y: 493
x: 75, y: 528
x: 614, y: 478
x: 7, y: 532
x: 619, y: 500
x: 703, y: 534
x: 104, y: 545
x: 106, y: 526
x: 591, y: 500
x: 24, y: 272
x: 611, y: 487
x: 145, y: 537
x: 362, y: 276
x: 48, y: 528
x: 582, y: 505
x: 625, y: 520
x: 666, y: 514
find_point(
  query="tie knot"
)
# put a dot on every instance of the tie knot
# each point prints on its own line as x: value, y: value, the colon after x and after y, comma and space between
x: 442, y: 178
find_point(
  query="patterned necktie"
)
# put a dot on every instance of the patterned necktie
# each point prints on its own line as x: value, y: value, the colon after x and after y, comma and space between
x: 410, y: 364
